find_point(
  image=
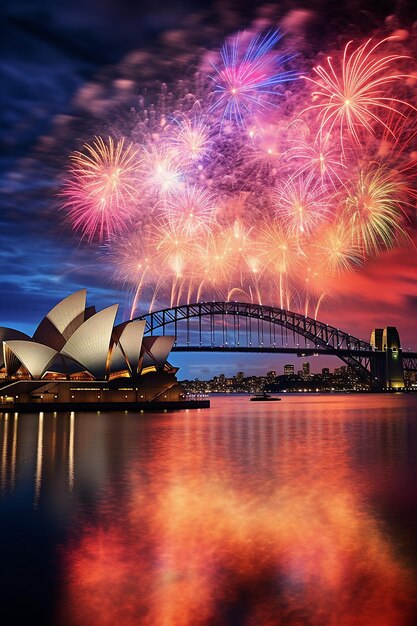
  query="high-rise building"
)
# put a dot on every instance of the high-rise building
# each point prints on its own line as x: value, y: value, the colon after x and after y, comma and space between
x: 306, y: 369
x: 240, y: 377
x: 271, y: 375
x: 325, y: 372
x: 288, y: 370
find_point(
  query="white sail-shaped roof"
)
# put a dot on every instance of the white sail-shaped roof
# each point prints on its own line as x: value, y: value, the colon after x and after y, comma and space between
x: 89, y: 344
x: 131, y: 342
x: 156, y: 350
x: 10, y: 360
x: 68, y: 315
x: 10, y: 333
x: 34, y: 356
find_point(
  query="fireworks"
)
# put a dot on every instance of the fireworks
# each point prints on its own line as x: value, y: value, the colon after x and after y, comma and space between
x: 319, y: 158
x: 279, y: 254
x: 373, y: 211
x: 191, y: 209
x: 161, y: 170
x: 102, y: 188
x: 279, y: 250
x: 247, y: 77
x: 337, y: 250
x: 171, y: 246
x: 224, y: 195
x: 215, y: 259
x: 301, y: 205
x: 354, y: 93
x: 191, y: 139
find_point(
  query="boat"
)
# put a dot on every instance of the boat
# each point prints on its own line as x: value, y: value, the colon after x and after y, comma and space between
x: 264, y: 397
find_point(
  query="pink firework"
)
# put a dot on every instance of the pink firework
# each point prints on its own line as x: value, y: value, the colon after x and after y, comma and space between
x: 161, y: 169
x: 354, y: 94
x: 214, y: 260
x: 266, y: 144
x: 102, y: 188
x: 279, y: 256
x: 301, y: 205
x: 319, y: 157
x: 191, y: 208
x: 191, y: 139
x: 131, y: 257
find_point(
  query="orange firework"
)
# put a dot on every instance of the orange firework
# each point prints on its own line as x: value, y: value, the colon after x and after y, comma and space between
x: 173, y: 248
x: 337, y: 250
x: 279, y: 254
x: 215, y: 259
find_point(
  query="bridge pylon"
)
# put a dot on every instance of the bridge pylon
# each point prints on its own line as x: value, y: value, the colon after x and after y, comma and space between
x: 387, y: 364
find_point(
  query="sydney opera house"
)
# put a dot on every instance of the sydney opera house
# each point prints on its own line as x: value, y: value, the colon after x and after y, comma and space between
x: 78, y: 358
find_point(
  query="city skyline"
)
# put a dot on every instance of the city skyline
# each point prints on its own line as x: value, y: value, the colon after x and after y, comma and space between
x: 289, y: 372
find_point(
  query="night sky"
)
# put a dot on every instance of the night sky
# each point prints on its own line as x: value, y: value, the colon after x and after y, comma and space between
x: 65, y: 67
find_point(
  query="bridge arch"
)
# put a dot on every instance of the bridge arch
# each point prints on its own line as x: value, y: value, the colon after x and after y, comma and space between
x: 231, y: 319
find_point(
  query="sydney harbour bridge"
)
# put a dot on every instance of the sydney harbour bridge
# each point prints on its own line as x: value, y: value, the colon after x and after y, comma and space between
x: 242, y: 327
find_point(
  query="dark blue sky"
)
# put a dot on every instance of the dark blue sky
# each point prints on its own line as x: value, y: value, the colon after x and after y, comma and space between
x: 53, y: 50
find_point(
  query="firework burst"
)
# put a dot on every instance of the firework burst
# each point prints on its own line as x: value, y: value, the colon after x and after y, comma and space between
x: 173, y: 249
x: 374, y: 212
x: 161, y: 169
x: 337, y: 250
x: 301, y: 205
x: 191, y: 139
x: 102, y: 188
x: 319, y: 158
x: 191, y: 208
x: 354, y: 93
x: 248, y: 77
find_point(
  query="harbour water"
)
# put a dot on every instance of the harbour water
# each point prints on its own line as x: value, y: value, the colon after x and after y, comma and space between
x: 301, y: 512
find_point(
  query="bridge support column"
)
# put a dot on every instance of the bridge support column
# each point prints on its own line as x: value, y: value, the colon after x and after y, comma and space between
x: 387, y: 364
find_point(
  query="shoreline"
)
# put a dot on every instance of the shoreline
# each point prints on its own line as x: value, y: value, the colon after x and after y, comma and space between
x: 53, y: 407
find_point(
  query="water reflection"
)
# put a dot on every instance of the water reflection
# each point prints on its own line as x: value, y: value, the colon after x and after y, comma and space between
x: 238, y: 515
x: 3, y: 473
x: 38, y: 474
x: 39, y: 446
x: 71, y: 453
x: 257, y: 521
